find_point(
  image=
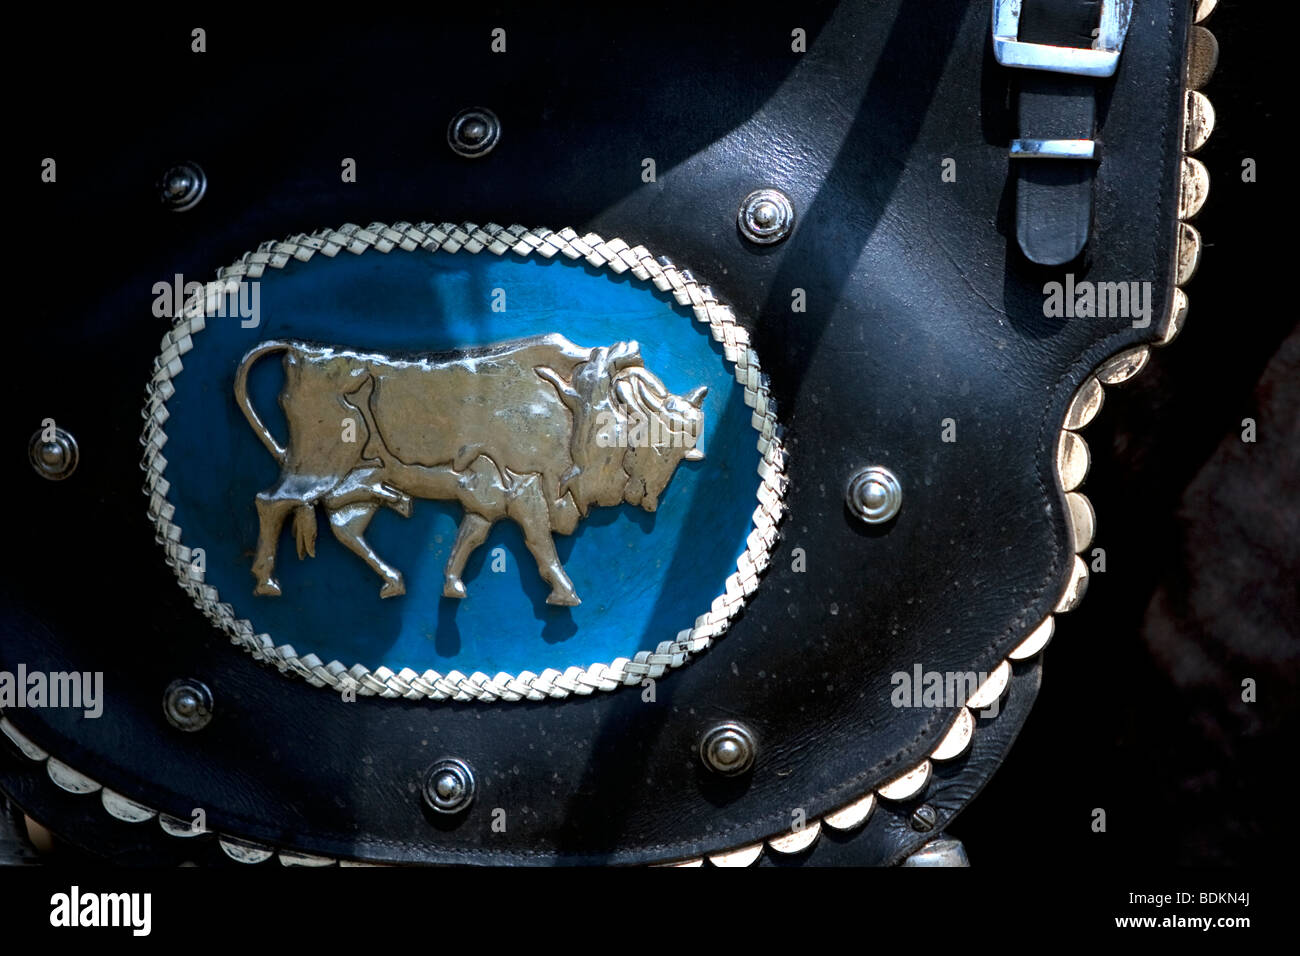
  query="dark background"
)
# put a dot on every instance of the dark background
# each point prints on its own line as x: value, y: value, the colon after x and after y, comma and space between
x: 1140, y: 713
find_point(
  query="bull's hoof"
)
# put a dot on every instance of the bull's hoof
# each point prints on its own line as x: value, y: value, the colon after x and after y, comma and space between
x: 394, y: 588
x: 453, y: 588
x: 268, y: 588
x: 563, y: 598
x: 402, y: 505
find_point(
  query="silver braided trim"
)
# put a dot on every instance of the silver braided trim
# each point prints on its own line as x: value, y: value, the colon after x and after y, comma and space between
x: 614, y: 254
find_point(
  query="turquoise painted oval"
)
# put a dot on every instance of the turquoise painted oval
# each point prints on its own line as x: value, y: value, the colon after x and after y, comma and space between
x: 642, y: 577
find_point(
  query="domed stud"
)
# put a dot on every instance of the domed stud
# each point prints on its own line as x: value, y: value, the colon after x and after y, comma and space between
x: 53, y: 455
x: 766, y: 216
x: 187, y: 704
x: 449, y: 786
x: 182, y: 186
x: 728, y: 748
x: 874, y: 494
x: 473, y: 132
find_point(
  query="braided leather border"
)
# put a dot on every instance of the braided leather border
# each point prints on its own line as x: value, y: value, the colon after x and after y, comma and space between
x: 550, y: 683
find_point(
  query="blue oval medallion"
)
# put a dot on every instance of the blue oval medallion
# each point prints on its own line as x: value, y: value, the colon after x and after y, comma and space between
x: 472, y: 474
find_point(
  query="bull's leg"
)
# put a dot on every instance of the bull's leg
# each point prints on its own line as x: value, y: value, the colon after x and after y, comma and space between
x: 473, y: 532
x: 527, y: 505
x: 271, y: 513
x: 349, y: 523
x: 376, y: 492
x: 396, y: 499
x: 366, y: 485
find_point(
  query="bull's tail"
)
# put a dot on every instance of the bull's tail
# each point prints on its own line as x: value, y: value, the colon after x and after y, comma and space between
x: 241, y: 396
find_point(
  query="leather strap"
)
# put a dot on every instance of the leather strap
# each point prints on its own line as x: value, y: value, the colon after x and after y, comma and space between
x: 1054, y: 197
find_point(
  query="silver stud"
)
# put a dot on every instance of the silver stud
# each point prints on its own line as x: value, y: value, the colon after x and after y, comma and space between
x: 766, y: 216
x: 473, y: 132
x: 449, y: 786
x: 187, y: 704
x: 183, y: 186
x: 874, y: 494
x: 728, y: 748
x: 55, y: 458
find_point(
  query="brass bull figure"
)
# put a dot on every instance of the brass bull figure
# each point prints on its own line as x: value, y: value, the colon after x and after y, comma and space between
x: 537, y: 430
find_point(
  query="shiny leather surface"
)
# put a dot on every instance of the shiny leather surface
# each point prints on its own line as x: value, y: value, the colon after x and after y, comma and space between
x: 919, y: 309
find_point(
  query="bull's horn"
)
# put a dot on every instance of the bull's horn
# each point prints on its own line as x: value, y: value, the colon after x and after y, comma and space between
x: 694, y: 455
x: 696, y: 395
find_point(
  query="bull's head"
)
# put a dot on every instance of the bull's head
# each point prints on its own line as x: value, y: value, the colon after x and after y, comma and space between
x: 629, y: 432
x: 663, y: 430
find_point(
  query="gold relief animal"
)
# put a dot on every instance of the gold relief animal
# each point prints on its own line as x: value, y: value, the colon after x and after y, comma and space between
x: 537, y: 430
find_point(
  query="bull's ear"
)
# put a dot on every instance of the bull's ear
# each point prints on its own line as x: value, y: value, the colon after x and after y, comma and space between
x: 696, y: 395
x: 693, y: 455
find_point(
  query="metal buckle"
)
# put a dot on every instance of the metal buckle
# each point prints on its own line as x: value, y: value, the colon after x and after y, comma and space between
x: 1101, y: 60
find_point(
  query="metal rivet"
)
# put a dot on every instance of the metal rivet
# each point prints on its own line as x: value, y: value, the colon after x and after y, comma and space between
x: 766, y: 216
x: 874, y: 494
x: 188, y: 705
x: 473, y: 132
x: 53, y: 458
x: 449, y: 785
x: 924, y: 818
x: 183, y: 186
x: 728, y: 748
